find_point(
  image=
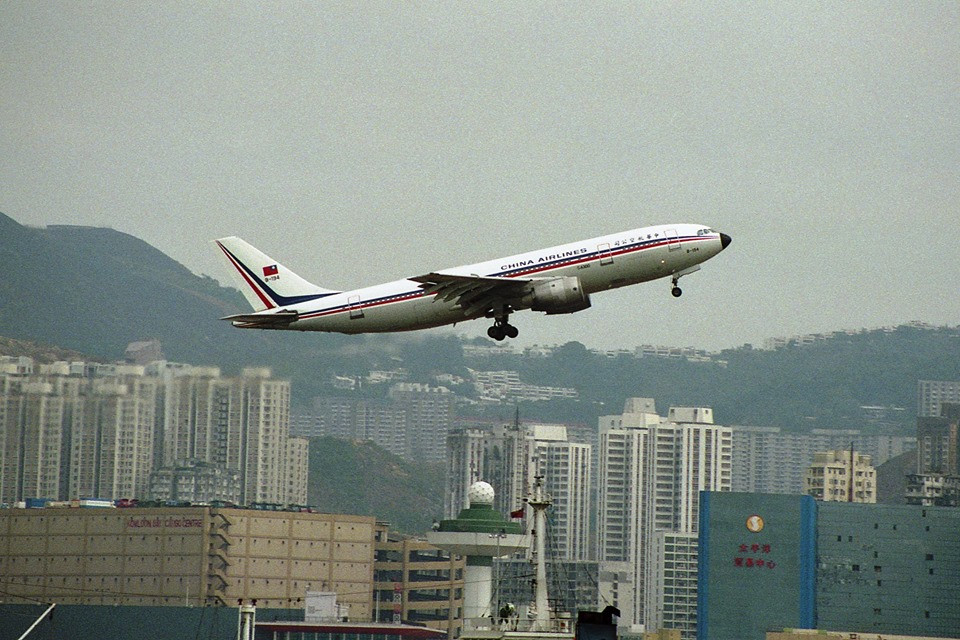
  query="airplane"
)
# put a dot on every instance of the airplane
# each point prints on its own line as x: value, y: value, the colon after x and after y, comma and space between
x: 556, y: 280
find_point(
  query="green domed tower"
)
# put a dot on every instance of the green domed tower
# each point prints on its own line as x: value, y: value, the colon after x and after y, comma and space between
x: 481, y: 534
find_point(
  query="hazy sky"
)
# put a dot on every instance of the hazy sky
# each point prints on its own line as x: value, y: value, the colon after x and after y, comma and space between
x: 363, y: 142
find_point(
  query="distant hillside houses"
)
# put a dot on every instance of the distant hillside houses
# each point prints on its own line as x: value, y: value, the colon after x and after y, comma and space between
x: 691, y: 354
x: 772, y: 344
x: 505, y: 386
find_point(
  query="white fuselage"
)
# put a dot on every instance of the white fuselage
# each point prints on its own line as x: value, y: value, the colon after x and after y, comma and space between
x: 602, y: 263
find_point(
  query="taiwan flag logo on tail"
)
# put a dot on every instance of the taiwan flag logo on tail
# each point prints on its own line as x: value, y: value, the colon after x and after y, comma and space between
x: 270, y: 271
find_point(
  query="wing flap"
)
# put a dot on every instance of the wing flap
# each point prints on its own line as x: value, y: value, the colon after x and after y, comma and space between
x: 475, y: 294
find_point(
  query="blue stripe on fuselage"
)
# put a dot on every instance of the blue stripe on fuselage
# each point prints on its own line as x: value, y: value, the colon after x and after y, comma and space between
x: 613, y: 252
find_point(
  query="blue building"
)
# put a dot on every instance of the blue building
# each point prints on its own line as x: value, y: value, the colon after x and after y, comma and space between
x: 756, y: 564
x: 769, y: 562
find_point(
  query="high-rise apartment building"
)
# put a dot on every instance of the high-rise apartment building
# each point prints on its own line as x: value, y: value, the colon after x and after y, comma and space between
x: 31, y: 440
x: 239, y: 423
x: 194, y: 481
x: 652, y: 472
x: 566, y: 471
x: 937, y: 441
x: 264, y: 426
x: 382, y: 421
x: 841, y: 476
x: 412, y: 422
x: 509, y: 458
x: 430, y: 412
x: 673, y: 597
x: 72, y: 430
x: 769, y: 460
x: 503, y: 456
x: 932, y: 393
x: 110, y: 421
x: 623, y: 460
x: 937, y: 480
x: 68, y: 435
x: 297, y: 470
x: 187, y: 412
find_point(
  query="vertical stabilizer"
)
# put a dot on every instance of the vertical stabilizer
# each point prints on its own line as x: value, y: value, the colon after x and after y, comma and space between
x: 264, y: 282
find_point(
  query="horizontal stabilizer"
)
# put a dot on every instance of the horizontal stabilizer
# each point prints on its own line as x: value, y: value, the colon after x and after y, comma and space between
x: 265, y: 320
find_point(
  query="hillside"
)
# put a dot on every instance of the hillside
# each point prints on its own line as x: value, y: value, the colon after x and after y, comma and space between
x: 95, y: 290
x: 358, y: 477
x: 41, y: 353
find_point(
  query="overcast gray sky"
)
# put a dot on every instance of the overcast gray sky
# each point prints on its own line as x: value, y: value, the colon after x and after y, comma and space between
x: 359, y: 143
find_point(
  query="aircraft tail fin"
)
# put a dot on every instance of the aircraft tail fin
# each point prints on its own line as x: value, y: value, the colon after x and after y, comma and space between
x: 264, y: 282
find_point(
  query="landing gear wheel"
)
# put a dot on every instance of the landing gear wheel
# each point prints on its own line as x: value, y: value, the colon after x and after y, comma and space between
x: 676, y: 291
x: 511, y: 331
x: 497, y: 332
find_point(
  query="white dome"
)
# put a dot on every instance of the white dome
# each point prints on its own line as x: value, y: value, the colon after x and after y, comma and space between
x: 480, y: 493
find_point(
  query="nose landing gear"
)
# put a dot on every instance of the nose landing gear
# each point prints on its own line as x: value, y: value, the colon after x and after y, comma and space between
x: 675, y: 288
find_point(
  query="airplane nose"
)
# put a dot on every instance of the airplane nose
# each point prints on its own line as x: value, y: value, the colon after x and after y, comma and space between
x: 725, y: 240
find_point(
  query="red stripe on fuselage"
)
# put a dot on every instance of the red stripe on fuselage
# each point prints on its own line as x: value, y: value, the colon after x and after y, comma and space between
x: 416, y: 294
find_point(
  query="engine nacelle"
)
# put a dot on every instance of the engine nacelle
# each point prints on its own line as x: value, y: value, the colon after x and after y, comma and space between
x: 559, y: 295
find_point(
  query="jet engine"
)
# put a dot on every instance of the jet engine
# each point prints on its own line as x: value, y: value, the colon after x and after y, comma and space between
x: 558, y: 295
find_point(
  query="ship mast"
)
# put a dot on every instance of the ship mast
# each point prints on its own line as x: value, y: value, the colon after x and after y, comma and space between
x: 539, y: 501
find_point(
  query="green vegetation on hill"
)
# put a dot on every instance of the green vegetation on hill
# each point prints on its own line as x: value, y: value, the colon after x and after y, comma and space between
x: 358, y: 477
x: 822, y: 385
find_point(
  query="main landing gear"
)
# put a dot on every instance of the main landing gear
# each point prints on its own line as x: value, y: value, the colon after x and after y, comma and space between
x: 502, y: 329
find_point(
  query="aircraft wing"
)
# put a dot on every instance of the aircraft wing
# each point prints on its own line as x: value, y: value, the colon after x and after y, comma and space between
x: 262, y: 320
x: 475, y: 294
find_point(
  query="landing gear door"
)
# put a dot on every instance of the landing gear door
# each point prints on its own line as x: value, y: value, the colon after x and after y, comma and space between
x: 603, y: 251
x: 356, y: 311
x: 673, y: 242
